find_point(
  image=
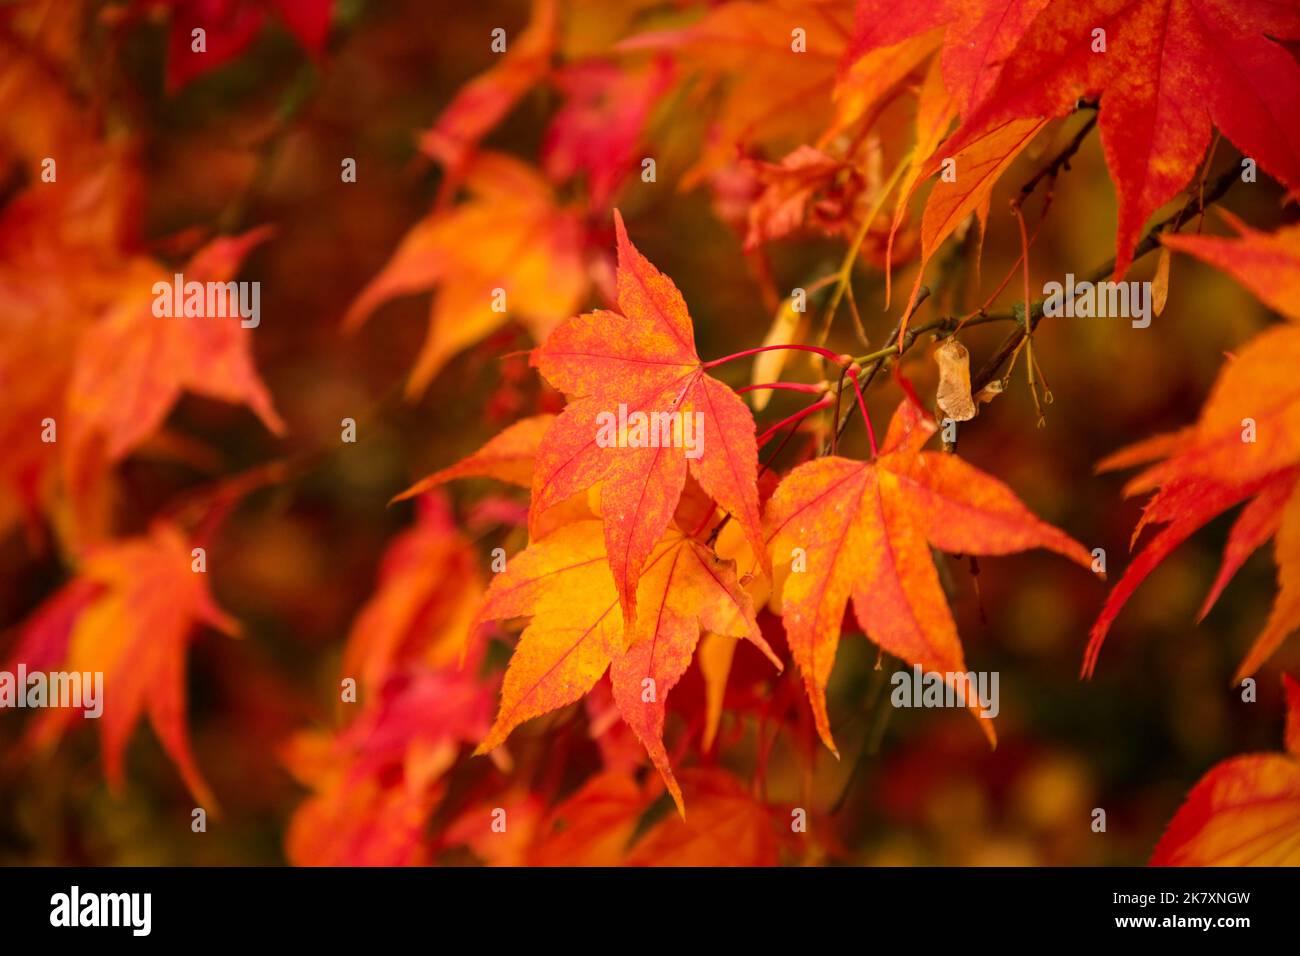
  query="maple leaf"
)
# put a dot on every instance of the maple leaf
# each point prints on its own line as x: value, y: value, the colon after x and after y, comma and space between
x: 1202, y: 471
x: 687, y: 592
x: 885, y: 47
x: 727, y: 827
x: 979, y: 165
x: 575, y: 634
x: 935, y: 111
x: 132, y: 365
x: 1245, y: 811
x: 377, y: 782
x: 597, y: 130
x: 1266, y: 263
x: 1185, y: 504
x: 1169, y: 71
x: 889, y: 40
x: 483, y: 102
x: 429, y: 590
x: 506, y: 457
x: 509, y: 235
x: 867, y: 80
x: 789, y: 191
x: 594, y: 826
x: 642, y: 361
x: 1258, y: 385
x: 865, y: 530
x: 129, y: 614
x: 770, y: 95
x: 230, y: 26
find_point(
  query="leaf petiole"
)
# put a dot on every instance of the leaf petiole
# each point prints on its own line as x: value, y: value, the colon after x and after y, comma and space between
x: 824, y: 353
x: 796, y: 417
x: 812, y: 388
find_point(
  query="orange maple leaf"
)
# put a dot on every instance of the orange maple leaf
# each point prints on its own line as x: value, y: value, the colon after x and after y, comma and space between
x: 727, y: 827
x: 865, y: 531
x: 770, y: 93
x: 506, y: 457
x: 429, y: 590
x: 507, y: 253
x: 575, y: 633
x: 376, y: 782
x: 1267, y: 263
x: 1258, y: 386
x: 485, y: 100
x: 1245, y: 446
x: 641, y: 362
x: 594, y: 826
x: 1245, y: 811
x: 133, y: 365
x: 129, y: 614
x: 1185, y: 504
x: 979, y: 165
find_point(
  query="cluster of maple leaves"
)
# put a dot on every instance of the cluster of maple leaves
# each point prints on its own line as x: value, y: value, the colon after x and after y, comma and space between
x: 641, y: 561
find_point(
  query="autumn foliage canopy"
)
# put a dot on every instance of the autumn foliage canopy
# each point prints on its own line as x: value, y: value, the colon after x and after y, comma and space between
x: 626, y: 402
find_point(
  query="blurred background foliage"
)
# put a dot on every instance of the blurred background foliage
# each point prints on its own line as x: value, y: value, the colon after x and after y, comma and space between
x: 259, y: 141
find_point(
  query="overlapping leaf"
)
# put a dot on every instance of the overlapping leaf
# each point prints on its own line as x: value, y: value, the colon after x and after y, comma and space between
x: 133, y: 365
x: 864, y: 530
x: 1184, y: 505
x: 575, y: 632
x: 429, y: 589
x: 977, y: 37
x: 978, y: 167
x: 1166, y: 71
x: 641, y: 360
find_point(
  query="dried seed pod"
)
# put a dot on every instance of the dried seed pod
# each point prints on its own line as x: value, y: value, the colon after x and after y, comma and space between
x: 989, y: 392
x: 953, y: 395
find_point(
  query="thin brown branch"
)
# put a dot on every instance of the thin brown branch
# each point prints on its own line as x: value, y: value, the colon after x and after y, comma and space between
x: 1151, y: 241
x: 1061, y: 161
